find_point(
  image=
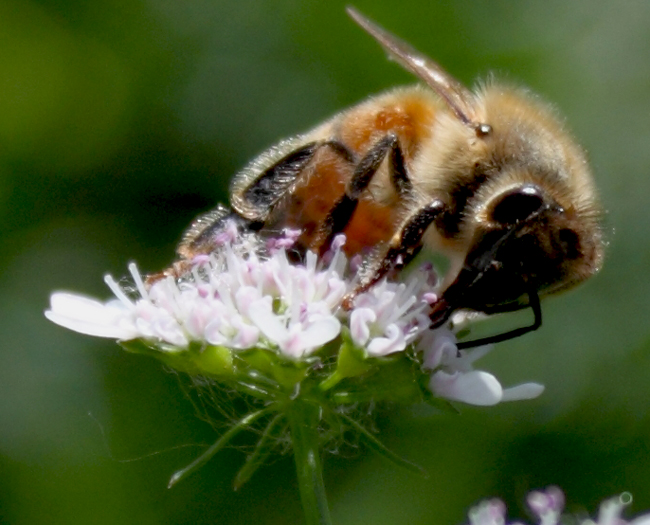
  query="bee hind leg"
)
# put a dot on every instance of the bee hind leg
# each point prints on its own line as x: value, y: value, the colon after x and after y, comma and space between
x: 257, y: 200
x: 209, y: 231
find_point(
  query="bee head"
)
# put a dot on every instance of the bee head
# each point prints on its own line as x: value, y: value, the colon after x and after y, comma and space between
x: 524, y: 242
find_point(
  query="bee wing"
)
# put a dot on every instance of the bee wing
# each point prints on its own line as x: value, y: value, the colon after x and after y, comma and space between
x: 457, y: 96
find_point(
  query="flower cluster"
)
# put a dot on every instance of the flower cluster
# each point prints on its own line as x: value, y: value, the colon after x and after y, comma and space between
x: 249, y: 295
x: 547, y: 507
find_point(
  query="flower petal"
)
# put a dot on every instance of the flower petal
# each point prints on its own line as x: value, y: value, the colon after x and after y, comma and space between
x: 261, y: 314
x: 395, y: 341
x: 303, y: 340
x: 490, y: 512
x: 322, y: 331
x: 360, y: 318
x: 524, y: 391
x: 436, y: 345
x: 641, y: 520
x: 474, y: 388
x: 91, y: 317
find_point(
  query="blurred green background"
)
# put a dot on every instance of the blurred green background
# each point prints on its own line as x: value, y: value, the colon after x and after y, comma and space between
x: 120, y: 120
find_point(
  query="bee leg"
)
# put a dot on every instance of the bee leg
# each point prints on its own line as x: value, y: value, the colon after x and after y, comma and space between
x: 399, y: 177
x: 206, y: 234
x: 533, y: 302
x: 402, y: 249
x: 340, y: 215
x: 211, y: 230
x: 257, y: 200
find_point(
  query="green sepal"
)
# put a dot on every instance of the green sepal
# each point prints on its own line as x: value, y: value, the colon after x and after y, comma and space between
x: 172, y: 356
x: 214, y: 361
x: 286, y: 373
x: 351, y: 361
x: 393, y: 378
x: 196, y: 359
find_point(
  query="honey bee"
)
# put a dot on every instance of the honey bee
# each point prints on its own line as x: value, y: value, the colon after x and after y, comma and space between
x: 489, y: 178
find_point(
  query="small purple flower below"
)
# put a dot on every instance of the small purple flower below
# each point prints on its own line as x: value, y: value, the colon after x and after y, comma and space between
x: 547, y: 506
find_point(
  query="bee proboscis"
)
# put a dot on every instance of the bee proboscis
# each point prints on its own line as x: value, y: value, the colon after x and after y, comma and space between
x: 488, y: 178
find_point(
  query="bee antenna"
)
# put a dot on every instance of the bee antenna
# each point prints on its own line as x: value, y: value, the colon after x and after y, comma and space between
x: 459, y: 99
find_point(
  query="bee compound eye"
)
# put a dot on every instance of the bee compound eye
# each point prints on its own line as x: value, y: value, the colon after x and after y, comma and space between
x: 517, y: 205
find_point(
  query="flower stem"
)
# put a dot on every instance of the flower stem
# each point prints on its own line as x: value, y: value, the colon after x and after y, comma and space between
x: 303, y: 422
x: 242, y: 424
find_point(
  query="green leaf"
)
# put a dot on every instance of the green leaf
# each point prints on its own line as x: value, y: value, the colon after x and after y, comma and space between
x: 242, y: 424
x: 264, y: 447
x: 381, y: 449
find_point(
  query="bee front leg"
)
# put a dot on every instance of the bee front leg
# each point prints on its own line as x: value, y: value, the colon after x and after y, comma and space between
x: 406, y: 244
x: 533, y: 303
x: 341, y: 214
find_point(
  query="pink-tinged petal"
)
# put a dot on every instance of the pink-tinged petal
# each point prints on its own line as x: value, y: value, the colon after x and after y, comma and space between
x: 360, y: 318
x: 524, y: 391
x: 438, y: 346
x: 199, y: 315
x: 395, y: 341
x: 430, y: 298
x: 543, y: 502
x: 245, y: 297
x: 320, y: 332
x: 474, y: 388
x: 303, y: 340
x: 555, y: 497
x: 293, y: 346
x: 336, y: 289
x: 261, y: 314
x: 213, y: 333
x: 90, y: 317
x: 247, y: 335
x: 226, y: 235
x: 490, y: 512
x: 169, y: 331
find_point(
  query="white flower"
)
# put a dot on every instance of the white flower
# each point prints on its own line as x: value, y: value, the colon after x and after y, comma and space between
x: 233, y: 298
x: 611, y: 509
x: 454, y: 377
x: 88, y: 316
x: 390, y: 316
x: 247, y: 294
x: 547, y: 506
x: 488, y: 512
